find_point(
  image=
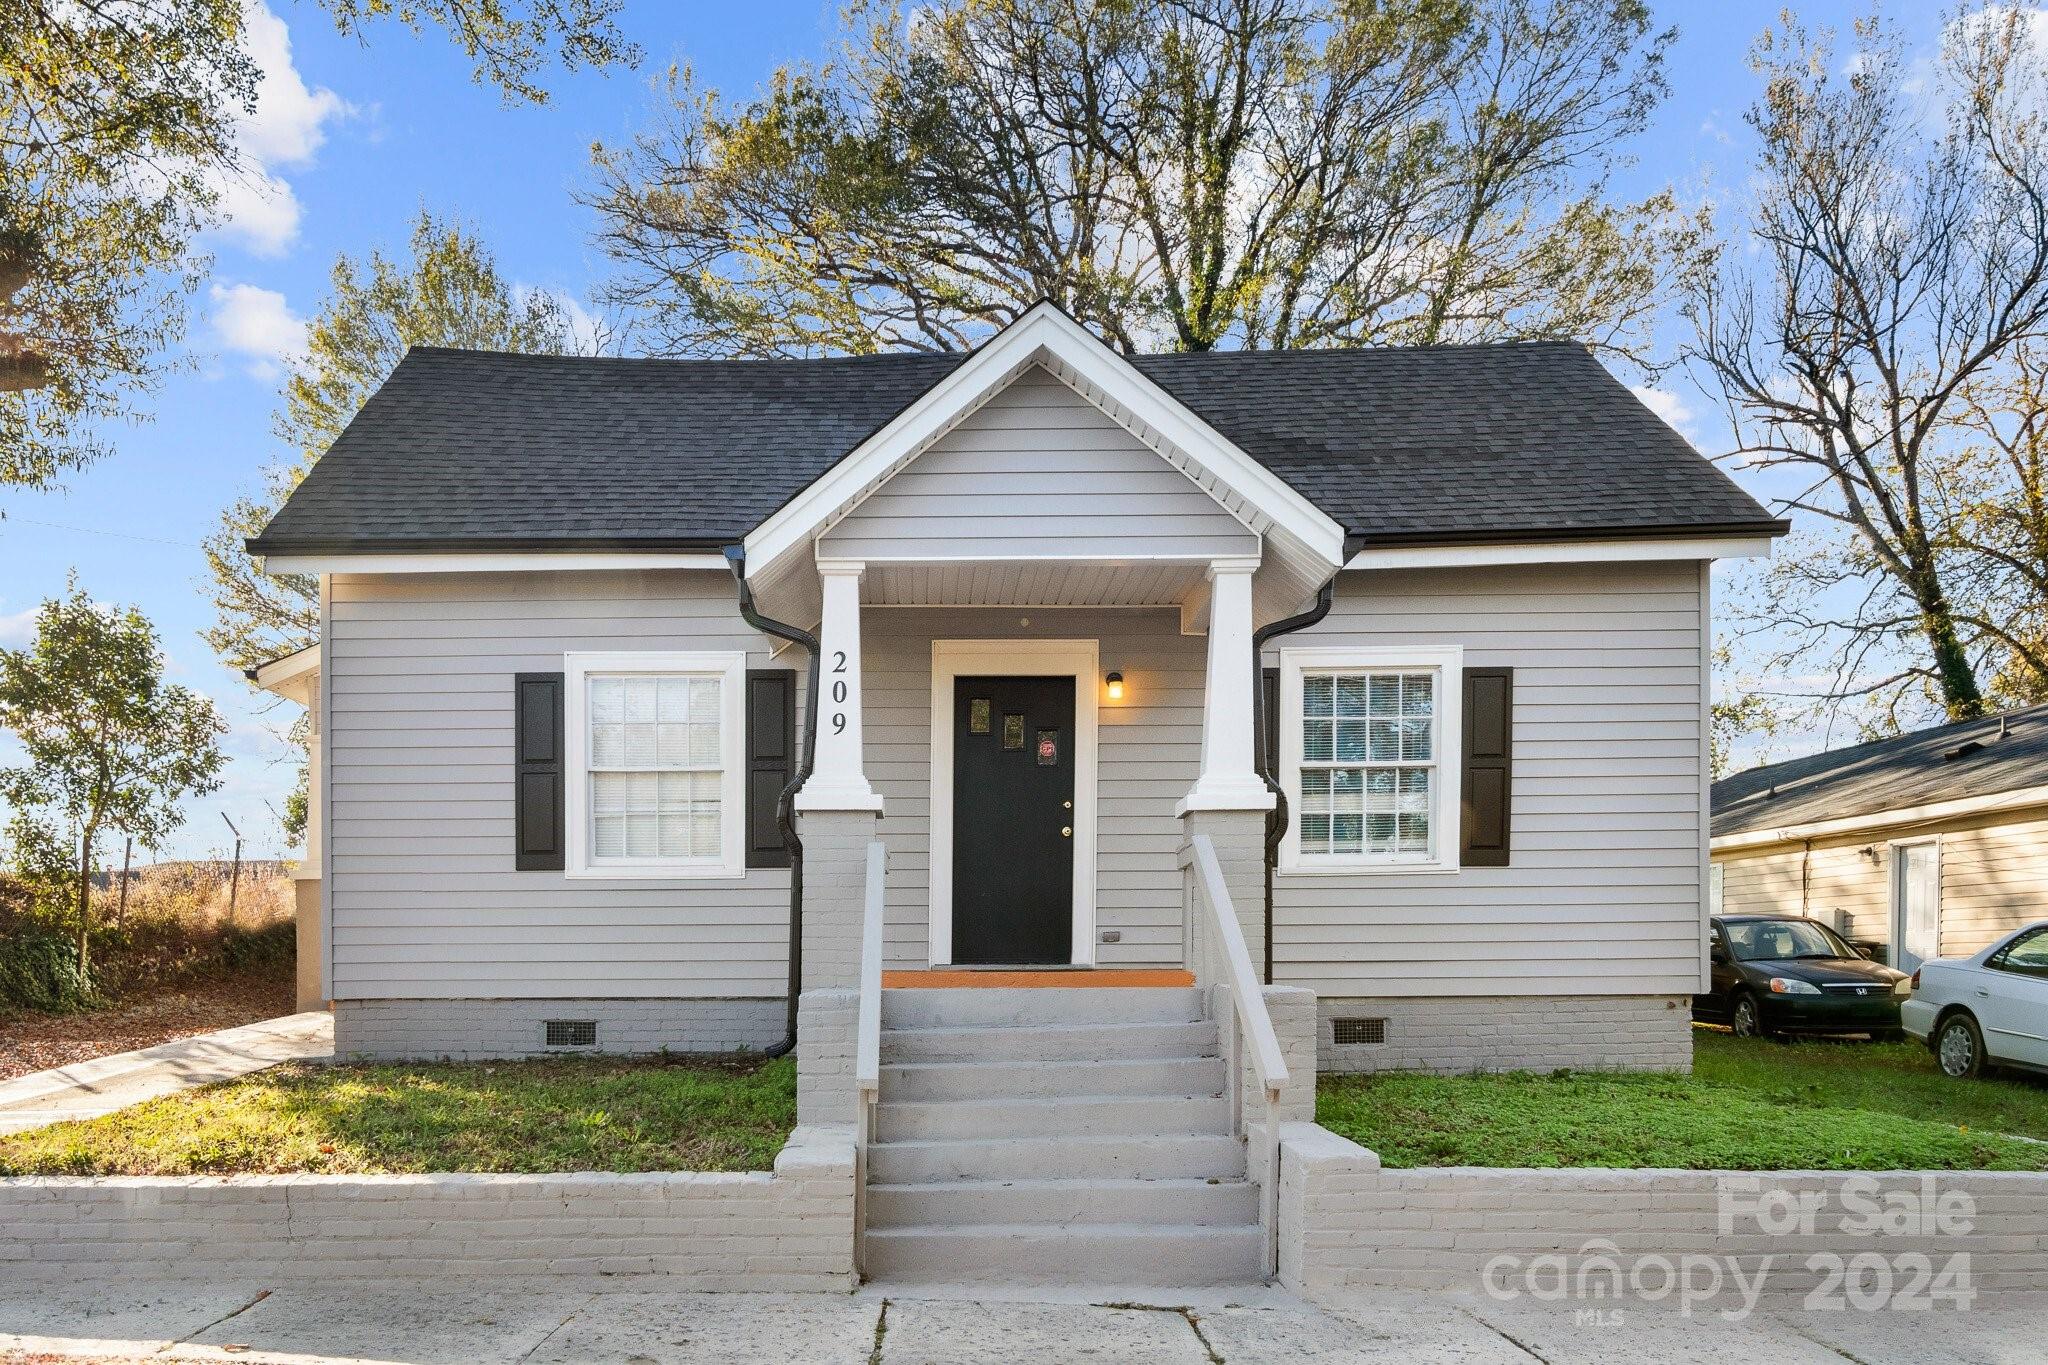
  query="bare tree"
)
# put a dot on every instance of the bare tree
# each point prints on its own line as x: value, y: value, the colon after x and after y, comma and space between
x: 1898, y: 269
x: 1185, y: 173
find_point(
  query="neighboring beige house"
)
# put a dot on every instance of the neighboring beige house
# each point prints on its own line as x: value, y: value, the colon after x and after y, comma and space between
x: 1928, y: 845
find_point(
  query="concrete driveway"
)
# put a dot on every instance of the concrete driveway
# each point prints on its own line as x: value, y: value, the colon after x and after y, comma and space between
x: 619, y: 1320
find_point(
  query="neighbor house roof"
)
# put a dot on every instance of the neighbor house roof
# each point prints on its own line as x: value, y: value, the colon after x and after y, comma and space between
x: 471, y: 450
x: 1966, y: 760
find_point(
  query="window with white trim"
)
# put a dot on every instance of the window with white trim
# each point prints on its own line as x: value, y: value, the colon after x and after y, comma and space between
x: 1368, y: 748
x: 657, y: 786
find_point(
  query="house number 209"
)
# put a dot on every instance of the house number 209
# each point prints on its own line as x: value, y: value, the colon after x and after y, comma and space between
x: 839, y: 691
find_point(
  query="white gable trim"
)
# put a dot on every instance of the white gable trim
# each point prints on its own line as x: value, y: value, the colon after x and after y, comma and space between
x: 1048, y: 337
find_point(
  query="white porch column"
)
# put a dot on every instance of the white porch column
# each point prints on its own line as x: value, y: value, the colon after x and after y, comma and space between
x: 1228, y: 780
x: 838, y: 780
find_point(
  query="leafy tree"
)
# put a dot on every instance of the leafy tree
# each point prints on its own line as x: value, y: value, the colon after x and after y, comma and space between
x: 109, y: 746
x: 1899, y: 273
x: 1993, y: 496
x: 508, y: 43
x: 115, y: 119
x: 117, y: 126
x: 446, y: 291
x: 1739, y: 715
x: 1190, y: 173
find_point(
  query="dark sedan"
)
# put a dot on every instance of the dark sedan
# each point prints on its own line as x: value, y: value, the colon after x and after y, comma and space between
x: 1785, y: 974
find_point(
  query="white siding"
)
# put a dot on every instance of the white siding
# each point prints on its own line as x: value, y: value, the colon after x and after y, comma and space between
x: 421, y: 888
x: 1603, y: 893
x: 1038, y: 470
x: 1149, y: 752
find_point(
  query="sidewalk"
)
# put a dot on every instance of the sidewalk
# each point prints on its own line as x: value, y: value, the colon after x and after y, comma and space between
x: 89, y: 1089
x: 472, y: 1322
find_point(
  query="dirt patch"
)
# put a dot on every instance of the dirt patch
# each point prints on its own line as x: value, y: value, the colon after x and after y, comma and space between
x: 35, y: 1042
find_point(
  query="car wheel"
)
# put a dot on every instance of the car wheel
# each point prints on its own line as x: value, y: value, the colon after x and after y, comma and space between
x: 1959, y: 1047
x: 1747, y: 1019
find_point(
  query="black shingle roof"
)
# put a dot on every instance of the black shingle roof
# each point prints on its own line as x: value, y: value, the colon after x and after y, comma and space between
x: 471, y: 450
x: 1888, y: 774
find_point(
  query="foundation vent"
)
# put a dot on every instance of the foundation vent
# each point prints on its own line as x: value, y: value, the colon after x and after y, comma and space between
x: 572, y: 1033
x: 1359, y: 1030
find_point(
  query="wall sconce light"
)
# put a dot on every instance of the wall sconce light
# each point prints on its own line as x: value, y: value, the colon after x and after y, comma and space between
x: 1116, y: 686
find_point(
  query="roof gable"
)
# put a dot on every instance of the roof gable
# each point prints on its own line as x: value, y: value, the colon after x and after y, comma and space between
x: 1048, y: 338
x: 1037, y: 470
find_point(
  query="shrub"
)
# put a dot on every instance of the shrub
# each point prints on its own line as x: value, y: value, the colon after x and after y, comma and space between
x: 39, y: 971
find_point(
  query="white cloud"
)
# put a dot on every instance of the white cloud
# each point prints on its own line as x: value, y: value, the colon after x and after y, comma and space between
x: 258, y: 208
x: 1673, y: 409
x: 18, y: 628
x: 258, y: 324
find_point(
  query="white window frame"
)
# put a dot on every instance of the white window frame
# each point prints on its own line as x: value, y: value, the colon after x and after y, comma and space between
x: 731, y: 670
x: 1448, y: 664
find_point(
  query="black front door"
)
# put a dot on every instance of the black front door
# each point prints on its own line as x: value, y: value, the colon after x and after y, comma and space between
x: 1013, y: 820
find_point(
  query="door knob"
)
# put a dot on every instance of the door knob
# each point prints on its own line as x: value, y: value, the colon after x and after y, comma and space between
x: 1066, y: 831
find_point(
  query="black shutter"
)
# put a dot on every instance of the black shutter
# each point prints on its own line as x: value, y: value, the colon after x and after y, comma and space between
x: 771, y: 760
x: 1489, y: 763
x: 537, y: 752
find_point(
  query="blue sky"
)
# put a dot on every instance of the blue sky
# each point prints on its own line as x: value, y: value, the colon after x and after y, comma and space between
x: 354, y: 138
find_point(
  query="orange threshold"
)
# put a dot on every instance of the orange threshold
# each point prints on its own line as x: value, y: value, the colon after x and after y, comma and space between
x: 946, y: 978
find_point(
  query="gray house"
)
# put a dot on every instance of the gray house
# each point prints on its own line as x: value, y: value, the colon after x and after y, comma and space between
x: 1397, y: 656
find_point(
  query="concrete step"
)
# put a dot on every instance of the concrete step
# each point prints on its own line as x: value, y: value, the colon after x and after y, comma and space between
x: 1059, y: 1116
x: 1050, y: 1043
x: 1064, y: 1203
x: 1194, y: 1156
x: 1030, y: 1007
x: 906, y: 1081
x: 1112, y: 1254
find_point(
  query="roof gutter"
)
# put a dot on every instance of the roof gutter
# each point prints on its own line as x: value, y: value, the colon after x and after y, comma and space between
x: 1276, y: 819
x: 2020, y: 798
x: 736, y: 558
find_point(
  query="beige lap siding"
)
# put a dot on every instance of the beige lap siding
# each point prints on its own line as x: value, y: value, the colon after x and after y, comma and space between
x: 1603, y: 894
x: 1994, y: 879
x: 421, y: 889
x: 1150, y: 748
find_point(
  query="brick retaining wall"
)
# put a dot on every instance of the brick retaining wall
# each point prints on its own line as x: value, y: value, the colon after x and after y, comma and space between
x: 1347, y: 1223
x: 722, y: 1231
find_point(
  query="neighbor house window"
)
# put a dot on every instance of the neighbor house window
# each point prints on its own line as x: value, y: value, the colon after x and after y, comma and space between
x: 656, y: 782
x: 1368, y: 773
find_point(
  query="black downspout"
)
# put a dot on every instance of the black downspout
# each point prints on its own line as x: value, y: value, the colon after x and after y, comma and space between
x: 736, y: 558
x: 1276, y: 822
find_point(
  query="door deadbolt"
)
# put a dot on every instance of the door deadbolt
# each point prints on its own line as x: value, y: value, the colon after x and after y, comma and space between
x: 1066, y: 805
x: 1066, y: 831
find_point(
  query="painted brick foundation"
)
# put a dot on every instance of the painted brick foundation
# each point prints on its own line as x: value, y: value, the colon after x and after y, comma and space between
x: 1346, y: 1223
x: 475, y: 1030
x: 791, y: 1230
x: 1455, y: 1034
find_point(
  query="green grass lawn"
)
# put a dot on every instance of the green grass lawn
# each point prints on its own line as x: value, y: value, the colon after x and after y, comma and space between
x: 567, y: 1115
x: 1749, y: 1105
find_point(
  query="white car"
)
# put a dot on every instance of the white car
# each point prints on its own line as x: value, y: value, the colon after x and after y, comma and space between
x: 1987, y: 1010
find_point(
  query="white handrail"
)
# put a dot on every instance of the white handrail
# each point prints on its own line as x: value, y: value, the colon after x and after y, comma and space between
x: 1254, y: 1023
x: 1246, y: 993
x: 867, y: 1052
x: 867, y: 1042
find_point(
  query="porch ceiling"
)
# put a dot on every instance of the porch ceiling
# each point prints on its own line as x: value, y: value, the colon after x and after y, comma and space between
x: 1046, y: 583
